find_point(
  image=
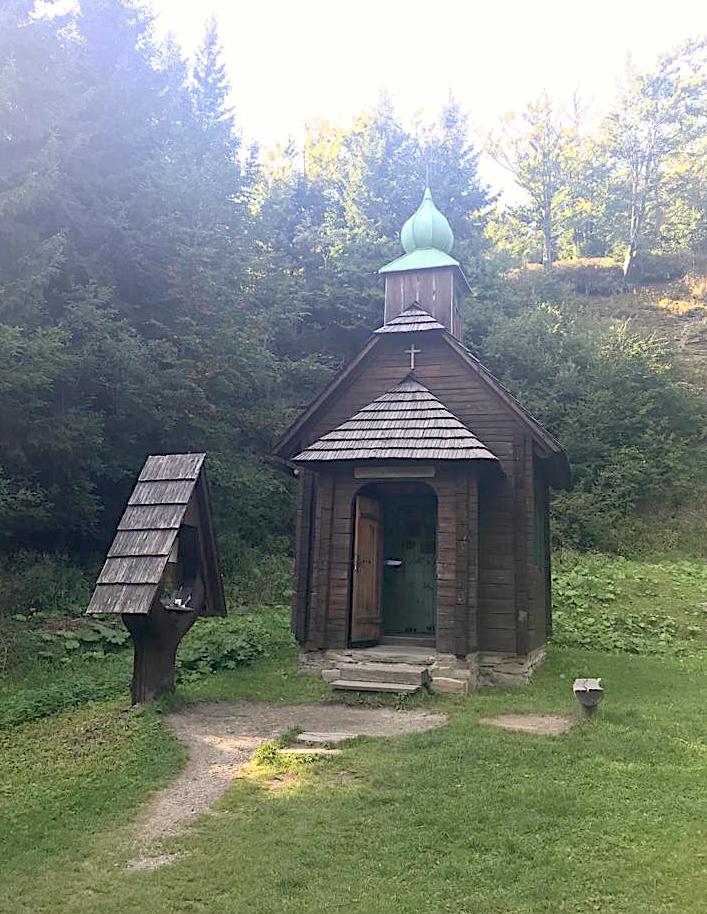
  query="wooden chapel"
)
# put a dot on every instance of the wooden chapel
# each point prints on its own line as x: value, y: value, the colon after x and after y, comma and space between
x: 423, y: 522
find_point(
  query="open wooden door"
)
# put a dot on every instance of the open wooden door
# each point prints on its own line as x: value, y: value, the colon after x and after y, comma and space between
x: 366, y: 597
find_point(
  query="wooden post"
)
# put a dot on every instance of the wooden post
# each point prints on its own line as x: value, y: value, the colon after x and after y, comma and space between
x: 156, y: 637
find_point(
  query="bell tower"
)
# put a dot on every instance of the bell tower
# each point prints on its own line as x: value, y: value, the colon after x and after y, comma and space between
x: 426, y: 273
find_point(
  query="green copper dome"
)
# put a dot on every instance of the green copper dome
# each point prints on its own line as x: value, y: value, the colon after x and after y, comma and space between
x: 427, y: 228
x: 427, y: 240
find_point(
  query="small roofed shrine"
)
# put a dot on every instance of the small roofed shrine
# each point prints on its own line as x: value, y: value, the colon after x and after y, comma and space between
x: 162, y: 569
x: 423, y: 548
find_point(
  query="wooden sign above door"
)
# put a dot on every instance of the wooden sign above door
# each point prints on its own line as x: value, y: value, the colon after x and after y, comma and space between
x: 393, y: 472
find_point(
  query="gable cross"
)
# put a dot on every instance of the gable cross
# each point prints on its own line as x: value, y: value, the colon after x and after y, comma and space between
x: 412, y: 352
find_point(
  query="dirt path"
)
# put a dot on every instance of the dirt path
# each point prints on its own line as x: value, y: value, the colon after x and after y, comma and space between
x: 222, y: 736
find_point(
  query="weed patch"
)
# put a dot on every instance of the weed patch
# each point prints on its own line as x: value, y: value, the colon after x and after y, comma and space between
x: 213, y: 645
x: 615, y: 604
x: 65, y: 665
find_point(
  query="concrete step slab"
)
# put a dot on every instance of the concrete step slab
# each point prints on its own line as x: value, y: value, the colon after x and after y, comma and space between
x: 361, y: 685
x: 384, y: 672
x: 308, y: 750
x: 323, y: 739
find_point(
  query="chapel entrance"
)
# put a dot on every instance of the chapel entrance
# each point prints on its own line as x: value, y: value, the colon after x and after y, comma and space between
x: 394, y: 581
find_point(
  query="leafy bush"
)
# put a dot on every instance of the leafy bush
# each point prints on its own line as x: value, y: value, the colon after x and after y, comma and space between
x: 520, y: 288
x: 51, y: 584
x: 696, y: 285
x: 93, y: 640
x: 658, y: 268
x: 623, y: 407
x: 59, y: 677
x: 590, y: 275
x: 616, y: 605
x: 225, y: 644
x: 259, y: 578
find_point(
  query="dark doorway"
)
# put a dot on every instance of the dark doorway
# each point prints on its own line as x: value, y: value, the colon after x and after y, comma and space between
x: 394, y: 579
x: 410, y: 564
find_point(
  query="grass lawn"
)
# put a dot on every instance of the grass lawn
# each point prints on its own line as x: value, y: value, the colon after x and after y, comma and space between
x: 609, y: 817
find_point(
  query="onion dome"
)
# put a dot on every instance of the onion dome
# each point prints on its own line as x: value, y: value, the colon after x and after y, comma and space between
x: 427, y: 228
x: 427, y: 239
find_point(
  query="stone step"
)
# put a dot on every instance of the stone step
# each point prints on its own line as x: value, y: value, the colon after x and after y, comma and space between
x: 384, y: 672
x: 360, y: 685
x: 308, y: 750
x: 310, y: 738
x: 414, y: 656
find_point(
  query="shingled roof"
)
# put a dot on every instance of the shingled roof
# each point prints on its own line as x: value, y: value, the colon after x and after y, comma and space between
x: 407, y: 422
x: 165, y: 490
x: 413, y: 318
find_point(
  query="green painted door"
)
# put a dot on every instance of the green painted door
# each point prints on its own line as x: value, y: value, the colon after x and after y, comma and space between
x: 410, y: 565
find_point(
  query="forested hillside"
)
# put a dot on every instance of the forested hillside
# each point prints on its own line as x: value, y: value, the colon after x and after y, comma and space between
x: 164, y: 288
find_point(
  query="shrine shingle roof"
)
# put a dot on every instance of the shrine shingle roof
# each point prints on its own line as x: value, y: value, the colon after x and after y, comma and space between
x: 406, y: 422
x: 412, y: 319
x: 146, y: 534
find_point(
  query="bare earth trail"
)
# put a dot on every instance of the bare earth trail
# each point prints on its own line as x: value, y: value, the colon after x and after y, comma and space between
x: 221, y: 737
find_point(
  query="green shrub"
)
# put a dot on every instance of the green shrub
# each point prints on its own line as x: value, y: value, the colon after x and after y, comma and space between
x: 601, y: 275
x: 523, y: 287
x: 650, y: 268
x: 617, y: 605
x: 50, y: 584
x: 225, y: 644
x: 259, y: 578
x: 90, y: 641
x: 76, y: 668
x: 590, y: 275
x: 624, y: 408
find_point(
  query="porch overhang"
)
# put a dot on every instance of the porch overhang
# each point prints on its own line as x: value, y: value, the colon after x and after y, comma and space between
x: 407, y: 423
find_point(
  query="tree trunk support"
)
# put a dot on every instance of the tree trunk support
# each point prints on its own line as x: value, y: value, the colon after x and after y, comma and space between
x: 156, y: 638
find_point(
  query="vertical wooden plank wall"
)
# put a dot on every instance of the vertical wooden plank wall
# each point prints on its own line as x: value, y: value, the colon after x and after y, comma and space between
x: 433, y: 289
x: 457, y: 560
x: 340, y: 569
x: 497, y: 616
x: 304, y: 532
x: 320, y: 564
x: 467, y: 549
x: 540, y: 619
x: 545, y: 633
x: 445, y: 487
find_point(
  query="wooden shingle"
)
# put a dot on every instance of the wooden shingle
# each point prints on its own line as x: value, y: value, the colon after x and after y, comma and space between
x: 142, y: 542
x: 172, y: 492
x: 131, y: 599
x: 405, y: 423
x: 132, y: 570
x: 412, y: 319
x: 172, y: 466
x: 152, y: 517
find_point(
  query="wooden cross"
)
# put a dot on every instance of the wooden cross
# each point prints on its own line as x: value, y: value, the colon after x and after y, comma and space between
x: 412, y: 352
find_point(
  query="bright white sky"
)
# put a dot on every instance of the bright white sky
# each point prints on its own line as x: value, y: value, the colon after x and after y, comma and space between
x: 296, y: 60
